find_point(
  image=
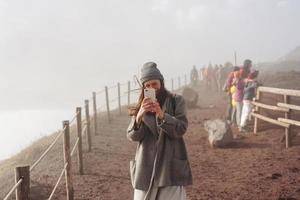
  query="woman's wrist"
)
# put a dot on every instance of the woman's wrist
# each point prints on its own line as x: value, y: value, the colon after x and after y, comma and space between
x: 161, y: 115
x: 138, y: 119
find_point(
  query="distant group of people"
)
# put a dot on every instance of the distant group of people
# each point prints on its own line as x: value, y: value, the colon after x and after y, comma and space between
x: 214, y: 77
x: 241, y: 87
x: 238, y: 82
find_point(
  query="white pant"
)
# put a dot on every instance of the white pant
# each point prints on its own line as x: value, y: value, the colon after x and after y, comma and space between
x: 236, y: 113
x: 247, y: 107
x: 161, y: 193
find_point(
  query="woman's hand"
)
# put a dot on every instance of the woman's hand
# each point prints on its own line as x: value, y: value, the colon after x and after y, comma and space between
x: 147, y: 106
x: 157, y: 110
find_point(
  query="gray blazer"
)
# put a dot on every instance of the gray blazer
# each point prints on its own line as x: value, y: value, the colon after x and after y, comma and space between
x: 161, y: 142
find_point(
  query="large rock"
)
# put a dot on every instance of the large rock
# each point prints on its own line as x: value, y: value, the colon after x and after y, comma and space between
x: 219, y: 133
x: 190, y: 96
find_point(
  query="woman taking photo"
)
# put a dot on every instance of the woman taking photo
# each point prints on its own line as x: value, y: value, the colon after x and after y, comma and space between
x: 161, y: 168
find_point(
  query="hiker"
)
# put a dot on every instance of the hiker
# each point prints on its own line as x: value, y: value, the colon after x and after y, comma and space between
x: 194, y: 76
x: 209, y: 77
x: 214, y: 78
x: 246, y: 68
x: 219, y: 78
x: 224, y: 71
x: 236, y: 91
x: 161, y: 167
x: 202, y: 73
x: 250, y: 85
x: 226, y: 88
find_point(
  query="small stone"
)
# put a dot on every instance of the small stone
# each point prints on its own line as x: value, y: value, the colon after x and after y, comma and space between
x: 275, y: 176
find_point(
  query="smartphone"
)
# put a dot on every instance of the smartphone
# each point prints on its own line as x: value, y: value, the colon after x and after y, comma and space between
x: 150, y: 93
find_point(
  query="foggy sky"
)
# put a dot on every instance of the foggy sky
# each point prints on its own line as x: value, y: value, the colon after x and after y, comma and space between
x: 54, y: 53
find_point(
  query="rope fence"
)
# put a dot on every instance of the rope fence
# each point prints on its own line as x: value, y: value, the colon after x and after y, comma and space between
x: 58, y: 181
x: 74, y: 148
x: 46, y: 151
x: 100, y: 92
x: 13, y: 189
x: 73, y: 119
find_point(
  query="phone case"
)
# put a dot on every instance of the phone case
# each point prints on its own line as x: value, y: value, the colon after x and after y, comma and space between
x: 150, y: 93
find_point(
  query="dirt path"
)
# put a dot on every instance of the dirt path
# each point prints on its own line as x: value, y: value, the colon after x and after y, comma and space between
x: 255, y: 167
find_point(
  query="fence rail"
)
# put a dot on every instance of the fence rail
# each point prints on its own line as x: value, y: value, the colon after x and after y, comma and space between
x: 284, y: 107
x: 83, y: 129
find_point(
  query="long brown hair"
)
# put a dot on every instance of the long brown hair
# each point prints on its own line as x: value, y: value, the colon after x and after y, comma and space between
x: 161, y: 97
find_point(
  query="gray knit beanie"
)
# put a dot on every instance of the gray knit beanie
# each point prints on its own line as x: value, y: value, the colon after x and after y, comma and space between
x: 247, y: 62
x: 150, y: 72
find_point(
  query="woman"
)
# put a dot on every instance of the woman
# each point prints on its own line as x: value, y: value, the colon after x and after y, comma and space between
x: 237, y: 98
x: 226, y: 88
x: 161, y: 168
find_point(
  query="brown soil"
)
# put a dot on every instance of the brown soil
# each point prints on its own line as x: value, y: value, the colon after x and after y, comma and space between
x: 254, y: 167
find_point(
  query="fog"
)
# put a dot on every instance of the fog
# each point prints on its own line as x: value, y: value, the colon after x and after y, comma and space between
x: 53, y: 54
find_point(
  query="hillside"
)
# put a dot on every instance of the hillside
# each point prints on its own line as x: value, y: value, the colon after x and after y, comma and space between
x: 287, y: 80
x: 243, y: 171
x: 294, y: 55
x: 289, y: 62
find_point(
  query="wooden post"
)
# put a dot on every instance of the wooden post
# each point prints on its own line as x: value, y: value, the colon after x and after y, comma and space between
x: 107, y: 103
x: 67, y: 159
x: 88, y: 125
x: 128, y: 93
x: 23, y: 191
x: 79, y: 134
x: 257, y: 110
x: 235, y: 58
x: 119, y: 98
x: 172, y: 85
x: 95, y: 114
x: 286, y: 99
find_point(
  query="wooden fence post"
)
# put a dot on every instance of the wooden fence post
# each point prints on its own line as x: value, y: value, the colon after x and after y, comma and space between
x: 23, y: 191
x: 107, y: 104
x: 172, y: 85
x: 79, y: 135
x: 119, y: 98
x: 128, y: 93
x: 67, y: 160
x: 88, y: 125
x: 286, y: 99
x: 95, y: 114
x: 256, y: 110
